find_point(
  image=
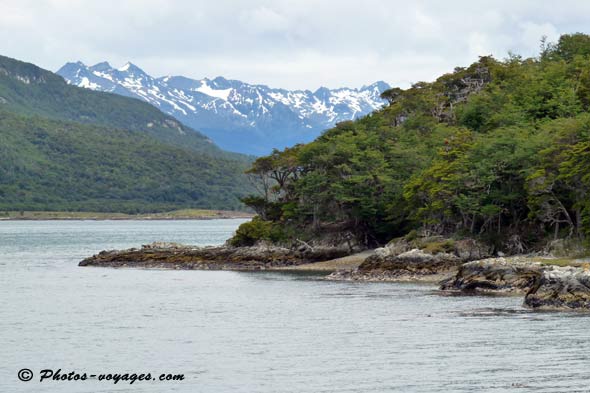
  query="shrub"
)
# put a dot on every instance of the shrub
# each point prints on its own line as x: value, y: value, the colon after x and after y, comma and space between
x: 412, y: 235
x: 447, y: 246
x: 250, y: 232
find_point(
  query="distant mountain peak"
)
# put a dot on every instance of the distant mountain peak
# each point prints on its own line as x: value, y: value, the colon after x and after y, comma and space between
x: 238, y: 116
x: 102, y: 66
x: 131, y: 68
x: 381, y: 85
x: 126, y: 66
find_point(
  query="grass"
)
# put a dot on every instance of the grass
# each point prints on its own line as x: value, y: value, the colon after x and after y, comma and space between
x: 577, y: 262
x: 437, y: 247
x: 184, y: 214
x: 559, y: 262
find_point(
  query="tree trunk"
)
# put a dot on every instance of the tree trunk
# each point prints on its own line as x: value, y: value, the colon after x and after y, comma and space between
x: 578, y: 222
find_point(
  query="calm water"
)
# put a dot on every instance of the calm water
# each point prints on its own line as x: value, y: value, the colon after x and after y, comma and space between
x: 258, y: 332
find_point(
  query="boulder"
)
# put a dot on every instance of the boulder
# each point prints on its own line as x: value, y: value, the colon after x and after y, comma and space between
x: 410, y: 265
x: 560, y: 288
x: 164, y: 245
x: 382, y: 252
x: 495, y: 275
x: 465, y: 249
x: 471, y: 249
x: 397, y: 246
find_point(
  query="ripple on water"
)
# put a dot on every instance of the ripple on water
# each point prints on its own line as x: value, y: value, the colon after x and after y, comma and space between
x: 261, y: 332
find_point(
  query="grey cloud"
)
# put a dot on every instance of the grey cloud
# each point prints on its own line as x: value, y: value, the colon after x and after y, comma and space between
x: 292, y: 44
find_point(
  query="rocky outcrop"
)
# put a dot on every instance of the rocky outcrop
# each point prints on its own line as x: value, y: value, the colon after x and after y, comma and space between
x: 560, y: 288
x: 464, y: 249
x: 177, y: 256
x: 413, y: 258
x: 471, y: 250
x: 410, y: 265
x: 546, y: 287
x: 495, y: 275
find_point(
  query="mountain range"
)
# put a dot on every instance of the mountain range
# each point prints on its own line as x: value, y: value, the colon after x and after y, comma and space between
x: 237, y: 116
x: 67, y: 148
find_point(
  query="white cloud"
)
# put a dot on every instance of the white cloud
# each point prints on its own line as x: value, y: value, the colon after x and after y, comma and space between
x: 283, y: 43
x: 264, y: 20
x: 533, y: 32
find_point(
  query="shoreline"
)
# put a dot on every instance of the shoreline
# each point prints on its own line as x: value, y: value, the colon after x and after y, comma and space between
x: 564, y: 284
x: 184, y: 214
x: 221, y: 257
x: 352, y: 261
x: 162, y: 255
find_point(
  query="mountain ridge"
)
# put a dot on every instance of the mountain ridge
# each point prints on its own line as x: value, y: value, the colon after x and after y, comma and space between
x: 67, y: 148
x: 238, y: 116
x: 31, y: 90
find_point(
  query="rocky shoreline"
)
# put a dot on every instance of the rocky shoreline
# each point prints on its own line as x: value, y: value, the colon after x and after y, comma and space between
x: 413, y: 265
x: 177, y: 256
x: 427, y: 259
x: 545, y: 287
x: 515, y: 275
x: 460, y: 270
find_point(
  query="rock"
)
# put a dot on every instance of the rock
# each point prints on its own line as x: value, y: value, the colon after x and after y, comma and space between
x: 178, y: 256
x: 495, y: 275
x: 560, y: 288
x: 397, y: 246
x: 470, y: 249
x: 382, y: 252
x: 466, y: 249
x: 410, y: 265
x: 409, y: 258
x: 164, y: 245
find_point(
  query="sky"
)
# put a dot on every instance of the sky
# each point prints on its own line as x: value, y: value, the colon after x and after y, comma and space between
x: 295, y: 44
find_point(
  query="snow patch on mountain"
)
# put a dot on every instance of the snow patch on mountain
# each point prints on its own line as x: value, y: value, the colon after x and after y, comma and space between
x: 206, y: 89
x: 238, y: 116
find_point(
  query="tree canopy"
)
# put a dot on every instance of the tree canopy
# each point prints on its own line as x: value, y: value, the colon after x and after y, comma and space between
x: 499, y: 149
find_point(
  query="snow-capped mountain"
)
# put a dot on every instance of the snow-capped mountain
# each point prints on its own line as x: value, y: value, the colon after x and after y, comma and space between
x: 238, y: 116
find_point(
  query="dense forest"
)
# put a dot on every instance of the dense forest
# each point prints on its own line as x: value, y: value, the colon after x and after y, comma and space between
x: 56, y: 165
x: 68, y: 148
x: 498, y: 150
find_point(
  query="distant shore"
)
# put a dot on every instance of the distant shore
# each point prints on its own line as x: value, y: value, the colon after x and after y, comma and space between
x: 184, y: 214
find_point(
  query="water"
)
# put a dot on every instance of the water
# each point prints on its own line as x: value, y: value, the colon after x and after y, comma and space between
x: 258, y: 332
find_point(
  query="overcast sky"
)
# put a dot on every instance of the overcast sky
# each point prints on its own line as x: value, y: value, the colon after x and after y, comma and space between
x: 292, y: 44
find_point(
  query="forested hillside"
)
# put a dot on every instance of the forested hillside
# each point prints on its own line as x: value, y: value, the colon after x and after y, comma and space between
x: 499, y: 150
x: 67, y: 148
x: 30, y: 90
